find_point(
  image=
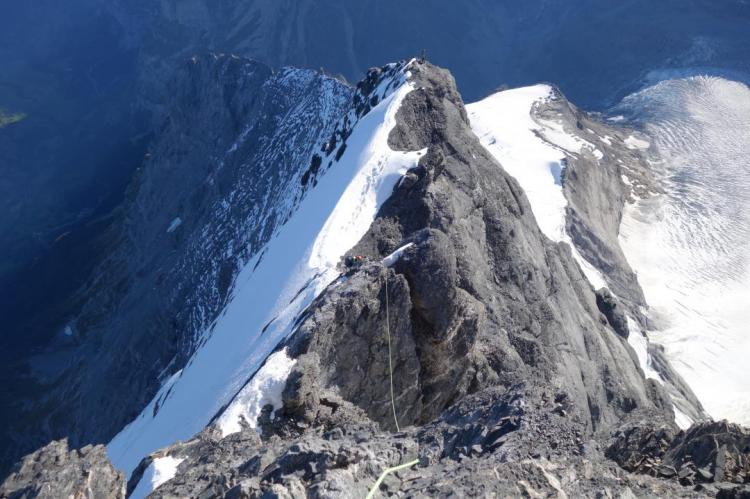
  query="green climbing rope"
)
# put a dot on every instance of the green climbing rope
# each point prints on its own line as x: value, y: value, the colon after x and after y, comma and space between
x: 382, y: 476
x: 385, y: 473
x: 390, y: 357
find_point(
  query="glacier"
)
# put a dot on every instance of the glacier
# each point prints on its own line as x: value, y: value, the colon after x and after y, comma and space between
x: 690, y: 246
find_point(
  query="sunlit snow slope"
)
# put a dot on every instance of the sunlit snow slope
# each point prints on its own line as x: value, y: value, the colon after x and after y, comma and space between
x: 505, y: 127
x: 272, y: 290
x: 691, y: 245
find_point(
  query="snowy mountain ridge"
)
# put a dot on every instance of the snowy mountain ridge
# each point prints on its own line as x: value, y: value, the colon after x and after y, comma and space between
x: 535, y: 154
x: 275, y: 286
x: 495, y: 317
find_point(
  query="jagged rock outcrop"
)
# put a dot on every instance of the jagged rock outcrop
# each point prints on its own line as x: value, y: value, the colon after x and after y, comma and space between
x: 496, y: 442
x: 55, y: 471
x: 493, y: 302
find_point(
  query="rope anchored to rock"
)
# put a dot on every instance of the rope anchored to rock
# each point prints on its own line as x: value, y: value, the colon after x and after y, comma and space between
x: 393, y: 469
x: 390, y: 357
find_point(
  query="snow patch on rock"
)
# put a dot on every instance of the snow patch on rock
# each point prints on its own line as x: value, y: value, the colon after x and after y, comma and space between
x: 639, y: 342
x: 265, y: 388
x: 176, y: 222
x: 555, y: 134
x: 681, y: 419
x: 394, y: 257
x: 633, y: 142
x: 161, y: 469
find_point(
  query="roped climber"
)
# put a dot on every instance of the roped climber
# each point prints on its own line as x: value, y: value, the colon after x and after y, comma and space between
x: 353, y: 261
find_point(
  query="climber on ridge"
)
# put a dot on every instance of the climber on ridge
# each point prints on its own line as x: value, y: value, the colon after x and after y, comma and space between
x: 353, y: 261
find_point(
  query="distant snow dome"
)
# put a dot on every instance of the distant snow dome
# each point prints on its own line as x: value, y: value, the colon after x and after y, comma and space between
x: 691, y: 245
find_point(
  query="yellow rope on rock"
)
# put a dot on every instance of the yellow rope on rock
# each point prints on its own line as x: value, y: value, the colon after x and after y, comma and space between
x: 390, y: 357
x: 393, y: 469
x: 382, y: 476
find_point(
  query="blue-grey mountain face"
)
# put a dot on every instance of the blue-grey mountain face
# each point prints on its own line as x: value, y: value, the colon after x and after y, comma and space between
x: 91, y: 78
x: 69, y: 75
x: 224, y: 174
x: 595, y: 51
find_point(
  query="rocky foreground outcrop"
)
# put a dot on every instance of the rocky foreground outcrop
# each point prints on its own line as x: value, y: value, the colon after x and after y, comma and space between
x: 55, y: 471
x: 707, y: 452
x: 511, y: 375
x: 490, y: 444
x: 494, y: 443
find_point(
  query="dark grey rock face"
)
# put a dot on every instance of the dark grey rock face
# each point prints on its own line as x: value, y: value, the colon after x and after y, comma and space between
x: 54, y: 471
x: 343, y: 343
x: 534, y: 316
x: 613, y: 313
x: 224, y: 173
